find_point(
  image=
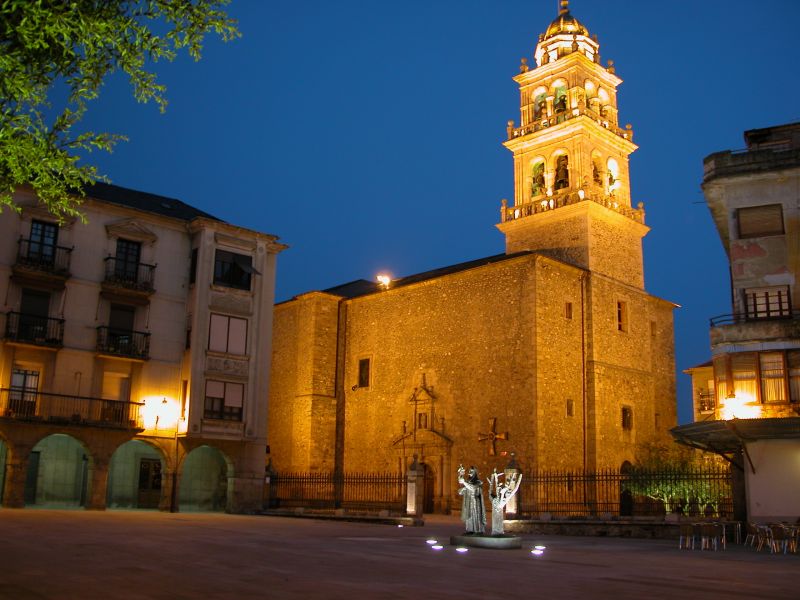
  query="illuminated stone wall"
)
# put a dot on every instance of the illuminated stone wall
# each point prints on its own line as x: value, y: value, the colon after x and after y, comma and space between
x: 453, y: 355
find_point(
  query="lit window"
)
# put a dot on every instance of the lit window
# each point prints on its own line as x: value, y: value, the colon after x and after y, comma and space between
x: 772, y: 377
x: 227, y: 334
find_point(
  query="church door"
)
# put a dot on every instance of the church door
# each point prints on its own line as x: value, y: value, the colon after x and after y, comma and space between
x: 427, y: 489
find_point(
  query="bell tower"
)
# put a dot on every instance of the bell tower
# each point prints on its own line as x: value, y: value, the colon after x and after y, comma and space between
x: 572, y: 197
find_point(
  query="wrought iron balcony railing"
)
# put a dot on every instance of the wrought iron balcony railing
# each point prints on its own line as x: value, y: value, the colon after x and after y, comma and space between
x: 119, y: 342
x: 749, y: 317
x: 129, y: 275
x: 32, y: 329
x: 43, y: 257
x: 29, y: 405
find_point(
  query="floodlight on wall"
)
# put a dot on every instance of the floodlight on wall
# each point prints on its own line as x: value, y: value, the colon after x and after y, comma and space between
x: 384, y: 280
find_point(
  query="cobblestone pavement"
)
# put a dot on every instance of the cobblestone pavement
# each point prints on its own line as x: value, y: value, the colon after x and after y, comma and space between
x: 109, y: 555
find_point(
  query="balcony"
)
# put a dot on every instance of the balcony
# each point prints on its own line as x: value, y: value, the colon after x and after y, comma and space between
x: 58, y: 409
x: 564, y: 198
x: 739, y: 162
x: 123, y: 276
x: 40, y: 262
x: 759, y: 327
x: 124, y: 344
x: 566, y: 115
x: 31, y: 329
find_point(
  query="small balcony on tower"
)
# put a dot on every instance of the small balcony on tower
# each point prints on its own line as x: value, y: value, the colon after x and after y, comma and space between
x: 40, y: 262
x: 567, y: 197
x: 549, y: 117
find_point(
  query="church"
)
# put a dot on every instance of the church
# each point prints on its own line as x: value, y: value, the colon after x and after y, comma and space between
x: 551, y: 354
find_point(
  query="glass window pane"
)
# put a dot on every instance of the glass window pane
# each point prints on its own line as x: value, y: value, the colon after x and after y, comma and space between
x: 237, y: 336
x: 218, y: 333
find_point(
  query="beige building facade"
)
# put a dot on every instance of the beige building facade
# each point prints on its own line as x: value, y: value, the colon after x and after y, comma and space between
x: 130, y: 360
x: 552, y: 353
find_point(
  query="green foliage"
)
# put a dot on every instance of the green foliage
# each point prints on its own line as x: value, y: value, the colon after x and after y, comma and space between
x: 677, y: 476
x: 75, y: 44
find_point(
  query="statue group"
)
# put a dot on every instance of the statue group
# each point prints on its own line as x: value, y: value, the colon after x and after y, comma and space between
x: 473, y: 510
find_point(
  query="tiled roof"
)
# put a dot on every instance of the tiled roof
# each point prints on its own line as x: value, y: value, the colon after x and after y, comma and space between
x: 160, y: 205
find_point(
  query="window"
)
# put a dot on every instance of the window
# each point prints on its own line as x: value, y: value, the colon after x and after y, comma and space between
x: 184, y: 397
x: 126, y: 265
x: 363, y: 373
x: 23, y: 392
x: 793, y: 365
x: 767, y: 302
x: 227, y: 334
x: 224, y: 400
x: 743, y: 367
x: 568, y: 310
x: 627, y: 418
x: 772, y: 377
x: 422, y: 420
x: 193, y: 266
x: 42, y: 243
x: 758, y: 221
x: 562, y: 172
x: 622, y: 316
x: 570, y: 408
x: 233, y: 270
x: 653, y: 329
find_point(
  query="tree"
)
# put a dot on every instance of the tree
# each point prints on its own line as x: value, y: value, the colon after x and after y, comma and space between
x: 55, y: 46
x: 676, y: 476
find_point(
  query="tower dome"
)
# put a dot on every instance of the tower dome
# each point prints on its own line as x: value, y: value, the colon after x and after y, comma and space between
x: 565, y: 23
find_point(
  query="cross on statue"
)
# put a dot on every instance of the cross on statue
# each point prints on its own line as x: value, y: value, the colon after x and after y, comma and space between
x: 492, y: 436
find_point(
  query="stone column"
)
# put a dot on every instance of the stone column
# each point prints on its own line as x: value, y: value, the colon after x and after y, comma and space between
x: 16, y: 472
x: 414, y: 493
x: 512, y: 506
x: 98, y: 485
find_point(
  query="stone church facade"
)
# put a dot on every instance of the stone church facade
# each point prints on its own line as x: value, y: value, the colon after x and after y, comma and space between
x: 552, y: 353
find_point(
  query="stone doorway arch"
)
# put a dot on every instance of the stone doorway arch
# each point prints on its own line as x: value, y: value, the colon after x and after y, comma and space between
x: 135, y: 476
x: 205, y: 480
x: 59, y: 472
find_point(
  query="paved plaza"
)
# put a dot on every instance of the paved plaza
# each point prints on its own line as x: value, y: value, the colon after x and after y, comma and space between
x: 115, y: 554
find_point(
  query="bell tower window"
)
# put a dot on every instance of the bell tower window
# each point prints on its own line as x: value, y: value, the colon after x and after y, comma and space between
x: 562, y: 172
x: 537, y: 179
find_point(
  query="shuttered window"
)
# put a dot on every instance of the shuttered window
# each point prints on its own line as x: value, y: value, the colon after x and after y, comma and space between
x: 758, y: 221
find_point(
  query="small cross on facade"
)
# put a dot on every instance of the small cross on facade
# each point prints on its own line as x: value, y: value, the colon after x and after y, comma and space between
x: 492, y: 436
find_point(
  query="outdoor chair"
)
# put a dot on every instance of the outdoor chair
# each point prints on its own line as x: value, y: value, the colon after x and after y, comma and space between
x: 752, y: 534
x: 687, y: 537
x: 764, y: 537
x: 780, y: 538
x: 710, y: 534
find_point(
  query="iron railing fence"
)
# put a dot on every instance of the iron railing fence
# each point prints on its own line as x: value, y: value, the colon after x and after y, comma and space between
x: 43, y: 257
x: 33, y: 329
x: 355, y: 491
x: 131, y: 275
x: 120, y: 342
x: 702, y: 491
x: 29, y: 405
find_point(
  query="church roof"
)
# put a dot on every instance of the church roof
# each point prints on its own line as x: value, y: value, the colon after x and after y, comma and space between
x: 152, y: 203
x: 363, y: 287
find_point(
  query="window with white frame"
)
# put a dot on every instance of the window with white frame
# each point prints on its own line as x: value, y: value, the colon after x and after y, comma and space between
x: 224, y: 400
x: 227, y: 334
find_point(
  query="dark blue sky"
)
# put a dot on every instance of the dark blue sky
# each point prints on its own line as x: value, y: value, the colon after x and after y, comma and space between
x: 367, y: 135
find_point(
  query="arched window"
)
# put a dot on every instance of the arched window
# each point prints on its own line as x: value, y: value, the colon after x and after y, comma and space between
x: 562, y: 172
x: 613, y: 175
x: 590, y: 87
x: 540, y: 103
x: 560, y: 96
x: 537, y: 178
x: 597, y: 177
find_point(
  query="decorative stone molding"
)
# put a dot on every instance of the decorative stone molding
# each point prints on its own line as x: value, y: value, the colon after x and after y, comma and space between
x: 234, y: 242
x: 131, y: 229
